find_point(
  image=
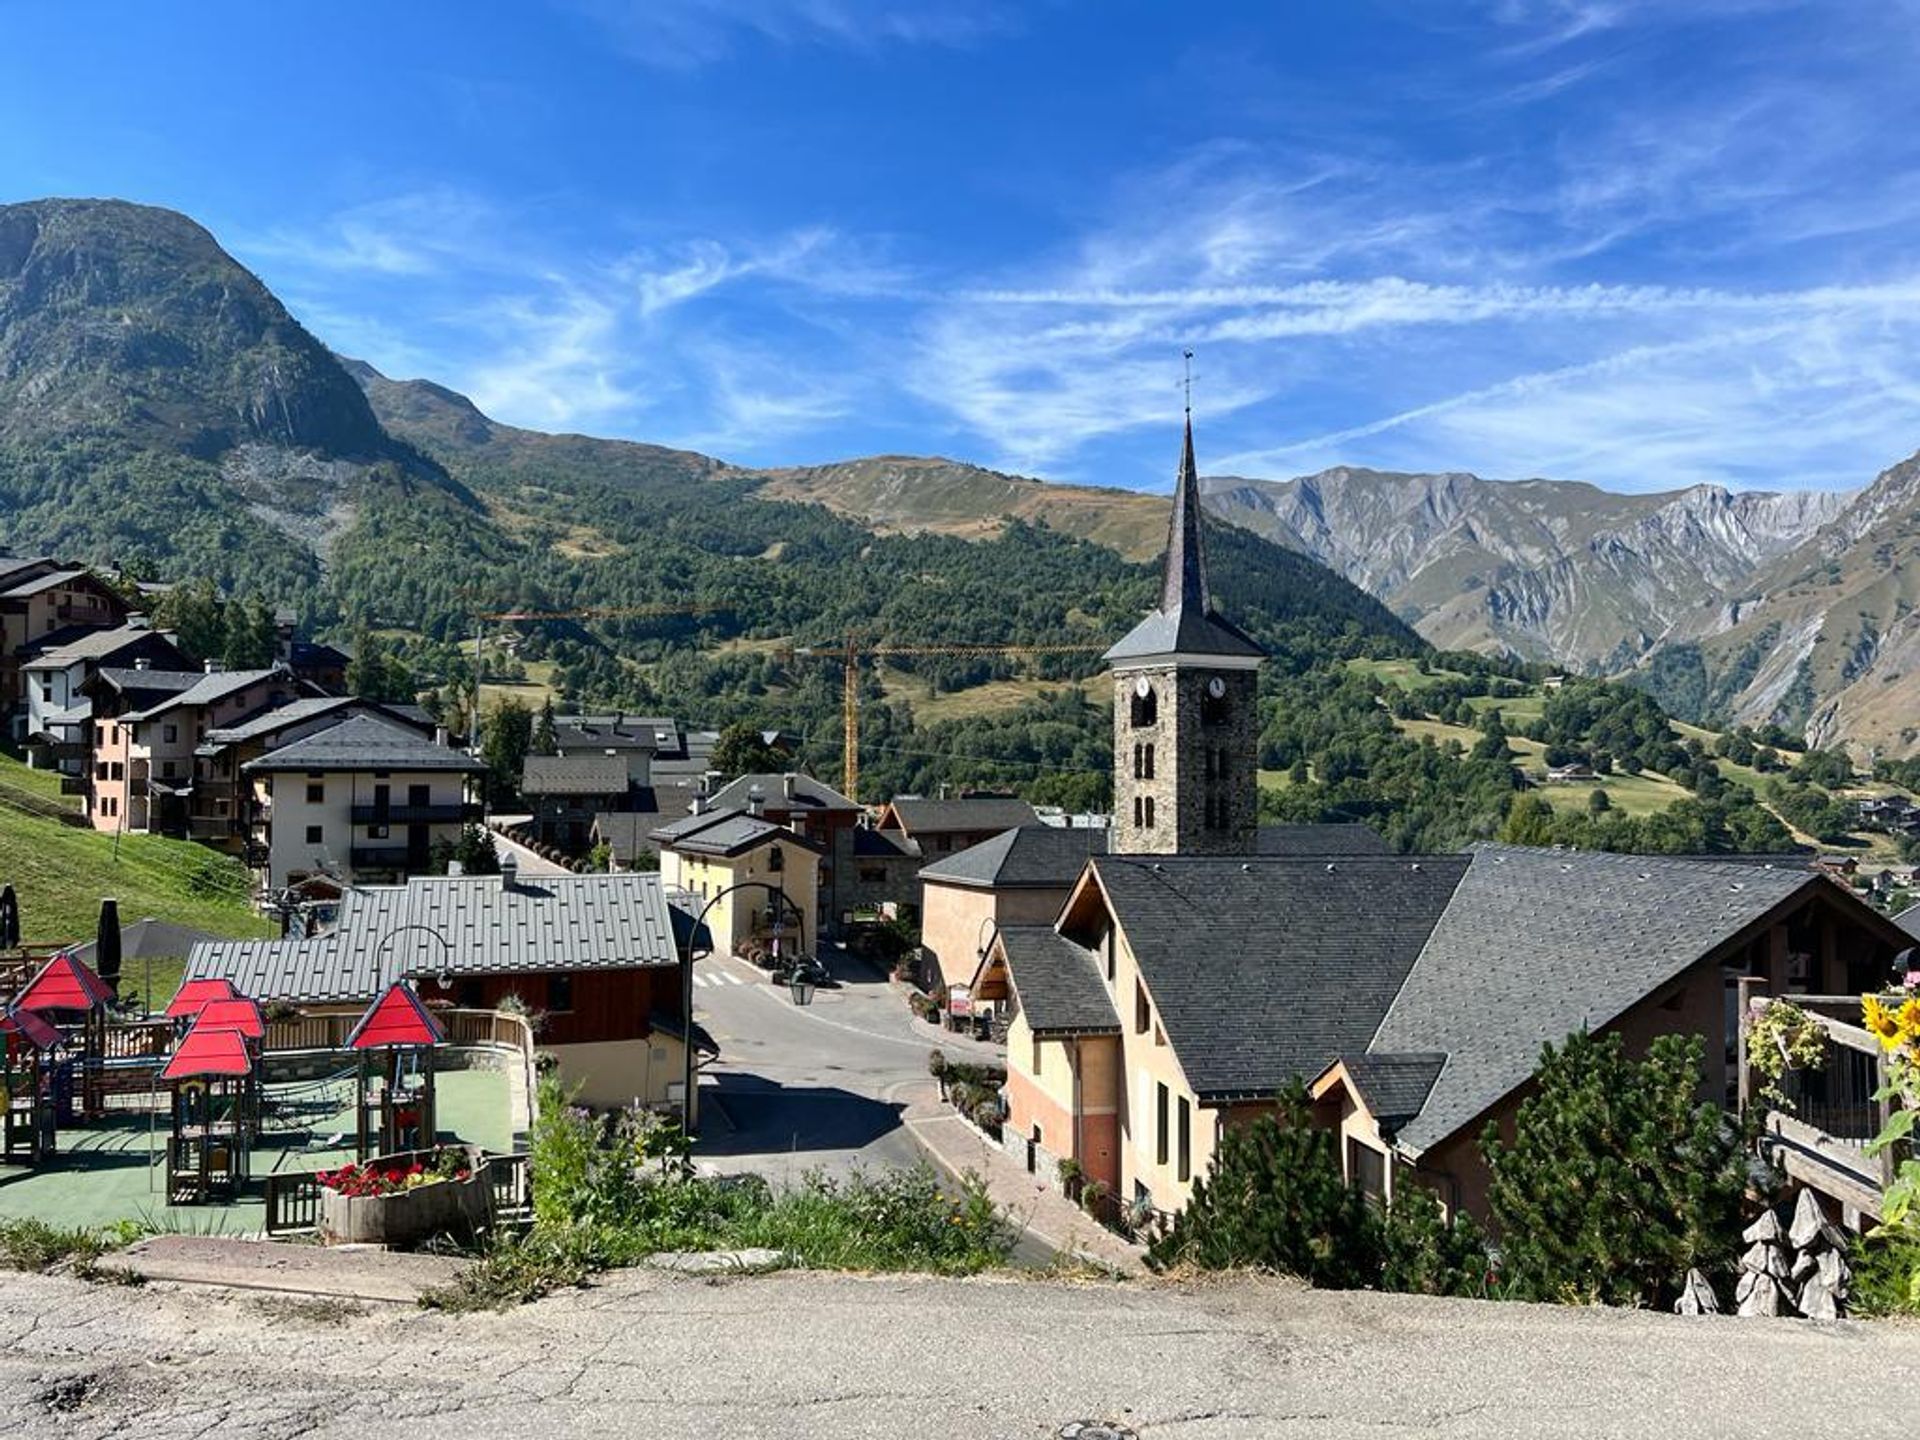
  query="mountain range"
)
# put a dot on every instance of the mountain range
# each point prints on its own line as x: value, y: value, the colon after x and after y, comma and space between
x: 160, y: 408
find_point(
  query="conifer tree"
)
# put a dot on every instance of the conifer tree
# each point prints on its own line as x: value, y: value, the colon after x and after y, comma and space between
x: 1617, y: 1179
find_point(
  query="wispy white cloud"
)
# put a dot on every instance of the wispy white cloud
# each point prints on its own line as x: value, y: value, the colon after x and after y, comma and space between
x: 687, y: 34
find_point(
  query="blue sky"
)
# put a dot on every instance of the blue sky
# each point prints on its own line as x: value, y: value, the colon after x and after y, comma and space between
x: 1642, y: 244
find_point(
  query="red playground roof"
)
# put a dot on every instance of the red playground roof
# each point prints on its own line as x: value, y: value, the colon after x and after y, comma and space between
x: 205, y: 1051
x: 196, y: 993
x: 64, y: 983
x: 396, y: 1018
x: 29, y: 1027
x: 237, y: 1013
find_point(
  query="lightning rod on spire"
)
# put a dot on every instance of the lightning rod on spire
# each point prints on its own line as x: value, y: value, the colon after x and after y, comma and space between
x: 1186, y: 383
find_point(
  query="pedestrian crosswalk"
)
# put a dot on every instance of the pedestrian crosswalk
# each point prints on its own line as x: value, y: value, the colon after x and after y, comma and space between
x: 709, y: 978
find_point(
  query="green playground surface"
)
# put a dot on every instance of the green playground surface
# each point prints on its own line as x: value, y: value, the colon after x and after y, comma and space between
x: 115, y: 1169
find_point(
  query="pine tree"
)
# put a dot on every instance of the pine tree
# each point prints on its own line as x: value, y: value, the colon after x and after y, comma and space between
x: 546, y: 740
x: 1274, y: 1199
x: 1618, y: 1179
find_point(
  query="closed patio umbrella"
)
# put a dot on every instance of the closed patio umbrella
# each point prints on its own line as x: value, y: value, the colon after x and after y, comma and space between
x: 106, y: 945
x: 9, y: 919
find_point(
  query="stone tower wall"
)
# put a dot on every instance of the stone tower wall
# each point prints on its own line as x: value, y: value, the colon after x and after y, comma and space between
x: 1182, y: 784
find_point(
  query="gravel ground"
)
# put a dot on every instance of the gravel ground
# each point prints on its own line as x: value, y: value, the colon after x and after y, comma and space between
x: 810, y: 1355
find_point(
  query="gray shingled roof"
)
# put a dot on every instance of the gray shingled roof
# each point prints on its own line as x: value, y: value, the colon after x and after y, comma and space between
x: 974, y: 812
x: 1537, y: 944
x: 1058, y: 982
x: 216, y: 685
x: 579, y: 734
x: 1319, y: 840
x: 1267, y: 968
x: 155, y: 682
x: 363, y: 742
x: 725, y: 832
x: 294, y: 712
x: 1909, y: 920
x: 1029, y: 857
x: 808, y: 794
x: 95, y: 644
x: 557, y: 922
x: 574, y: 775
x: 629, y: 832
x: 1185, y: 622
x: 884, y: 844
x: 42, y: 582
x: 1394, y: 1087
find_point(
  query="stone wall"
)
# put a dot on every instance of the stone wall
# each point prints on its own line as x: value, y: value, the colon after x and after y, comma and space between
x: 1204, y: 785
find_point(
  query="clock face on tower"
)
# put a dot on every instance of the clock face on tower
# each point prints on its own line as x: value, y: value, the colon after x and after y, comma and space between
x: 1216, y: 687
x: 1143, y: 687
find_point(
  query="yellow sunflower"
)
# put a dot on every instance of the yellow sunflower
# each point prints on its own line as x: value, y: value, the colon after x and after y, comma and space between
x: 1909, y: 1021
x: 1882, y: 1021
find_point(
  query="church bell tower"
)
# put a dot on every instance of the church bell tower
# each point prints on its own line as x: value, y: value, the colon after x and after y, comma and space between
x: 1185, y: 724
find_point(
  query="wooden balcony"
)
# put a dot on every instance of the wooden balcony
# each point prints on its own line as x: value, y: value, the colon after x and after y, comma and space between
x: 1819, y: 1138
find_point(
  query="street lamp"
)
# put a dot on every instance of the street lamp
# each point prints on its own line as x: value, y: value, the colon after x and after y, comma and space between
x: 802, y: 984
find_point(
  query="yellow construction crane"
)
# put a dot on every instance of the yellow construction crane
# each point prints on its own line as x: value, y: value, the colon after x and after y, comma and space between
x: 855, y: 650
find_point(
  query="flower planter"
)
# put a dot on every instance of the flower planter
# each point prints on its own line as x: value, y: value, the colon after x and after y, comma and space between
x: 461, y: 1208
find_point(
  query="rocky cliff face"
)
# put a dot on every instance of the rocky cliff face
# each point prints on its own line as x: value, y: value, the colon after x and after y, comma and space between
x: 128, y: 320
x: 1552, y: 570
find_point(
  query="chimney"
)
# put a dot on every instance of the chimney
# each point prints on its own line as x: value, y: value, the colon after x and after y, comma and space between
x: 757, y: 801
x: 440, y: 735
x: 699, y: 805
x: 142, y: 662
x: 786, y: 784
x: 455, y: 869
x: 509, y: 871
x: 212, y: 667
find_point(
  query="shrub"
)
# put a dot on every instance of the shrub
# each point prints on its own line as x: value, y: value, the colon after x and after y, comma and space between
x: 1886, y: 1273
x: 1274, y: 1199
x: 1617, y: 1181
x: 1424, y: 1252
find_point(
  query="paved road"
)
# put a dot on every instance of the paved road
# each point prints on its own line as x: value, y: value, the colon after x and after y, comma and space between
x: 819, y: 1087
x: 843, y: 1358
x: 530, y: 863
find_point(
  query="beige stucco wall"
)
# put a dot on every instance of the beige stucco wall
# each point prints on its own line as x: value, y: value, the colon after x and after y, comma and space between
x: 288, y: 814
x: 731, y: 921
x: 956, y: 920
x: 619, y: 1072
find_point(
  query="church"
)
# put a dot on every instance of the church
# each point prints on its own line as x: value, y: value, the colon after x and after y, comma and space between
x: 1205, y: 961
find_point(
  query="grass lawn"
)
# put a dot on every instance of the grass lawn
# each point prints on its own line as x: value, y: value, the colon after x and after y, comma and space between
x: 992, y: 698
x: 1403, y: 673
x: 61, y: 873
x: 44, y: 784
x: 1631, y: 794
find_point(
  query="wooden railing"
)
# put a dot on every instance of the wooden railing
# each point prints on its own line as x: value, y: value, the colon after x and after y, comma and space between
x: 293, y: 1202
x: 1819, y: 1134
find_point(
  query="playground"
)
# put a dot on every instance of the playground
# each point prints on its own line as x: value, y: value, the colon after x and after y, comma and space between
x: 114, y: 1168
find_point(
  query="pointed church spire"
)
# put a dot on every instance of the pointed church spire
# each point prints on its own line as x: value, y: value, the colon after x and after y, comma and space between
x: 1185, y: 586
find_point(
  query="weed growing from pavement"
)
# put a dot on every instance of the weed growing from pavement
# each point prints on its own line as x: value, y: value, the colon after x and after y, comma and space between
x: 35, y: 1245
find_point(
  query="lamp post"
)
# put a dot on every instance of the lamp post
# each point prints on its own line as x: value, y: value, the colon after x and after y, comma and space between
x: 782, y: 905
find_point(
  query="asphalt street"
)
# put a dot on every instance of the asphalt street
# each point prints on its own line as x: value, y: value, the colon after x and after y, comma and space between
x: 847, y: 1358
x: 811, y: 1088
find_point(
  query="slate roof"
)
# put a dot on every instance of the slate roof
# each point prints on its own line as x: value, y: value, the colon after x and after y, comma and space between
x: 363, y: 742
x: 93, y: 644
x: 1029, y: 857
x: 1538, y: 943
x: 155, y: 683
x: 1909, y: 920
x: 294, y: 712
x: 42, y: 582
x: 1185, y: 623
x: 213, y: 686
x: 539, y: 923
x: 1319, y: 840
x: 1266, y: 968
x: 1059, y: 983
x: 808, y: 794
x: 883, y: 844
x: 1394, y: 1087
x: 574, y: 775
x: 725, y: 832
x: 629, y: 833
x: 579, y: 733
x: 973, y: 812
